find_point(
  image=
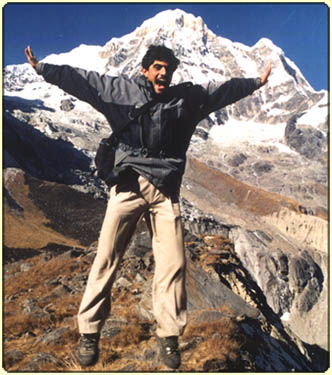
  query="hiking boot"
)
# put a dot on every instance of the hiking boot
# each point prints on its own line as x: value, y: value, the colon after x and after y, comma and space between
x: 169, y: 351
x: 87, y: 353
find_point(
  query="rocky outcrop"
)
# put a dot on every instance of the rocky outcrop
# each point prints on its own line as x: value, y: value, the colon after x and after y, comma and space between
x: 308, y: 230
x: 305, y: 139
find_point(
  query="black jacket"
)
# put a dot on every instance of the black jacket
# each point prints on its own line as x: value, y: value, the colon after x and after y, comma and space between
x: 156, y: 143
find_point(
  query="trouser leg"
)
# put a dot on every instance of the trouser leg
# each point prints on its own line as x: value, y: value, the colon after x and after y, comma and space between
x: 123, y: 212
x: 169, y: 294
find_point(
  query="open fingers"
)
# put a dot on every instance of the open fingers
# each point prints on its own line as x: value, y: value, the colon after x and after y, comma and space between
x: 29, y: 53
x: 267, y: 73
x: 30, y: 56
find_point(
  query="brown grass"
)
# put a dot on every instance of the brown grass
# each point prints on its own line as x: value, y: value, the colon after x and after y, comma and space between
x: 130, y: 335
x: 219, y: 341
x: 230, y: 190
x: 33, y: 284
x: 28, y: 229
x: 22, y: 330
x: 35, y: 278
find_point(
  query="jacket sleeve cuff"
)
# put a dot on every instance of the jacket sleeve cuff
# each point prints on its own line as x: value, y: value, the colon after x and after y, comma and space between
x: 39, y: 68
x: 258, y: 83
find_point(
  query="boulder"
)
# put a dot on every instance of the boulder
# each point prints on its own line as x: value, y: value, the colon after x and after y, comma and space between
x: 304, y: 139
x: 67, y: 105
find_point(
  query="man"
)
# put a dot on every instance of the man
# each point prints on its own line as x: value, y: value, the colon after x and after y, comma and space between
x: 149, y: 165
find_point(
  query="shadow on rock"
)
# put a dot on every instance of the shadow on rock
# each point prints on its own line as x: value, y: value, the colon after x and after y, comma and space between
x: 41, y: 156
x: 26, y: 105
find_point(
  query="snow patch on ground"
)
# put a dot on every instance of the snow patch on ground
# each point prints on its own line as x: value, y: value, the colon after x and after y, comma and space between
x: 235, y: 132
x: 317, y: 114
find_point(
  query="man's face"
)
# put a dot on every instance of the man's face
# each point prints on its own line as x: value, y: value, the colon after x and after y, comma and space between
x: 159, y: 74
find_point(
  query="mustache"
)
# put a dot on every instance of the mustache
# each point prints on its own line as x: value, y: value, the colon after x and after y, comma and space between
x: 162, y: 80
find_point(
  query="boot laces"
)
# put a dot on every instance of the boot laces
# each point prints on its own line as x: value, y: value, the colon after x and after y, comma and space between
x: 88, y: 343
x: 170, y: 350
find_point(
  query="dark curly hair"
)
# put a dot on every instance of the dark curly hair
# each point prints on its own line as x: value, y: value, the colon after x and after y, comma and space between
x: 160, y: 53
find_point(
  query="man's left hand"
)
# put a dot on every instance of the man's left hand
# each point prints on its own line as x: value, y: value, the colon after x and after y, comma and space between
x: 31, y: 57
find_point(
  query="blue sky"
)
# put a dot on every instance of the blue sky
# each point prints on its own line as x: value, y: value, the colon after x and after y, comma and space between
x: 300, y: 29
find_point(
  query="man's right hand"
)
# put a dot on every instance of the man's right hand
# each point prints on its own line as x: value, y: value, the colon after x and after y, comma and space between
x: 265, y: 76
x: 31, y: 58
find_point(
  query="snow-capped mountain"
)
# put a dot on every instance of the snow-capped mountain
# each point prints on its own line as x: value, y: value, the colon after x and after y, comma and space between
x: 205, y: 57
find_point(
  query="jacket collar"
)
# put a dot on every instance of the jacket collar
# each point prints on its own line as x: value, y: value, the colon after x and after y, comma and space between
x: 145, y: 84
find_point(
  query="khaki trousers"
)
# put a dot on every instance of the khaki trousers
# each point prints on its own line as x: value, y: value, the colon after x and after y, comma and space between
x: 126, y: 206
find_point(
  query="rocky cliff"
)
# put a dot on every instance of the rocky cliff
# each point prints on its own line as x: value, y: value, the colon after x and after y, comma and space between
x: 254, y: 203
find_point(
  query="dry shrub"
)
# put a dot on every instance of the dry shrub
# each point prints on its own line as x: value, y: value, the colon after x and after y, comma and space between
x: 218, y: 241
x: 37, y: 275
x: 130, y: 335
x: 67, y: 306
x: 223, y: 326
x: 218, y: 341
x: 17, y: 325
x: 31, y: 346
x: 135, y: 331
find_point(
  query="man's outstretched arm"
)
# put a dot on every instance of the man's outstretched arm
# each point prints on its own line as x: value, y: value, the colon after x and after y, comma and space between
x: 84, y: 85
x: 233, y: 90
